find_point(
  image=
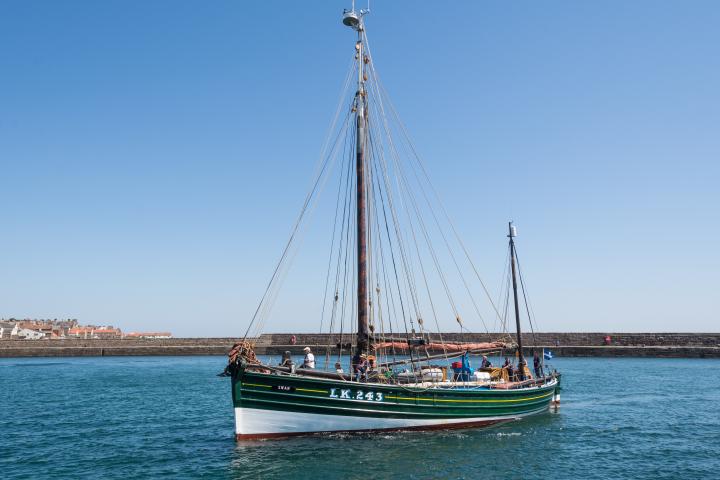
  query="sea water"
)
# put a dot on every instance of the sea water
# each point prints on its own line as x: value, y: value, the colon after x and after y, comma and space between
x: 172, y: 417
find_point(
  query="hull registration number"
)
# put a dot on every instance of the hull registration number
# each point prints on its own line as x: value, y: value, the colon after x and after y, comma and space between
x: 348, y: 394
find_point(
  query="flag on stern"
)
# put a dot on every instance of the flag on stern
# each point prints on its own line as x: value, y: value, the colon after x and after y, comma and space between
x: 547, y: 354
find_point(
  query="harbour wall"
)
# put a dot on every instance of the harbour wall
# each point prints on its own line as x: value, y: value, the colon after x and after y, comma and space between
x: 530, y: 339
x: 677, y: 345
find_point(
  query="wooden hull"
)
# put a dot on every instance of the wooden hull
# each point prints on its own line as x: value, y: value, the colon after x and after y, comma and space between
x: 268, y: 405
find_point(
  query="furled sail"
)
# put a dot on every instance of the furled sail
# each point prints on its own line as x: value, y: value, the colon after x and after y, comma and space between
x: 449, y: 347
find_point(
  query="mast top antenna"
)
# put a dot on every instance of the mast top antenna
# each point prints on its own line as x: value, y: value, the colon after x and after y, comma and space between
x: 512, y: 231
x: 353, y: 19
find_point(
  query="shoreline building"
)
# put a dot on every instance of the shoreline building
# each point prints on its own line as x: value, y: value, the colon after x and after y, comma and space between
x: 8, y: 330
x: 148, y: 335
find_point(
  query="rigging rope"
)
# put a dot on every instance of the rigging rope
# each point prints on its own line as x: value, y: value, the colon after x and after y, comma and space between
x: 322, y: 165
x: 527, y: 305
x: 399, y: 234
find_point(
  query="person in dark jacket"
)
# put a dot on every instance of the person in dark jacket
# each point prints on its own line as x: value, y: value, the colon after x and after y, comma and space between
x: 359, y: 366
x: 509, y: 367
x: 537, y: 365
x: 354, y: 362
x: 485, y: 362
x: 286, y: 359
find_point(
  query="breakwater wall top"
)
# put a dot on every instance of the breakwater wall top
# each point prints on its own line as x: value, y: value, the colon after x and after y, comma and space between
x: 566, y: 344
x: 530, y: 339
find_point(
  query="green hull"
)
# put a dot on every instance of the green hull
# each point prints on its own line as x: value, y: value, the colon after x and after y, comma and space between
x: 328, y: 404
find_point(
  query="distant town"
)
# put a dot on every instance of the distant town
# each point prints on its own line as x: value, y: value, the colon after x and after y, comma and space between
x: 39, y: 329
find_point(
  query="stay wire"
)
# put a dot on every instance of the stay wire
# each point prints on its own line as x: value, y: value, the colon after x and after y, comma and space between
x: 322, y: 164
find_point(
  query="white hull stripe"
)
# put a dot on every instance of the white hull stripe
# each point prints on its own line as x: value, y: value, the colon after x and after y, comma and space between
x: 253, y: 422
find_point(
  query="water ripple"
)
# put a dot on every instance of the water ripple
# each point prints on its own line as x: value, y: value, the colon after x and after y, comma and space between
x: 171, y: 417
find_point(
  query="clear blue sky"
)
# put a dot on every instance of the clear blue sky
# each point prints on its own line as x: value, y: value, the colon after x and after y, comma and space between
x: 154, y: 154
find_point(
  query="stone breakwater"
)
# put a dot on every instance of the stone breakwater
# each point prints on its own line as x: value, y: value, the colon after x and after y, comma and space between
x: 115, y: 347
x: 680, y: 345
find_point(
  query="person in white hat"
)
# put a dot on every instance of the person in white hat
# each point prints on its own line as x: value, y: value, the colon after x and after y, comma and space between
x: 309, y: 361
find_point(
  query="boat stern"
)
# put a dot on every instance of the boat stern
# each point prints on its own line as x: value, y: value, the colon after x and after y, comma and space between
x: 555, y: 401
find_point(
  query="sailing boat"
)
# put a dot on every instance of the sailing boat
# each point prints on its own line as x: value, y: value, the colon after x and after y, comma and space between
x: 395, y: 381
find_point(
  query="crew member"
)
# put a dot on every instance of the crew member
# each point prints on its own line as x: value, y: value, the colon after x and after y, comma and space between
x: 309, y: 361
x: 372, y: 368
x: 359, y: 365
x: 537, y: 366
x: 522, y: 367
x: 509, y: 367
x: 286, y: 359
x: 355, y: 362
x: 485, y: 362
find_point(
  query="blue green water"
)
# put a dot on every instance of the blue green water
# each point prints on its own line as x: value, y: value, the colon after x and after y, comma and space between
x: 171, y: 417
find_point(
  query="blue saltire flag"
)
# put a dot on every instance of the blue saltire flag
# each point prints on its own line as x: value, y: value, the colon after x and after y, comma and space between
x: 547, y: 354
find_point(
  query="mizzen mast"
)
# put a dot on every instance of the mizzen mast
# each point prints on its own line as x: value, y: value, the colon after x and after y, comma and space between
x: 512, y: 233
x: 354, y: 20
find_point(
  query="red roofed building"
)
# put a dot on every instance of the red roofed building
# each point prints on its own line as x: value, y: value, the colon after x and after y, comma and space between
x: 107, y: 332
x: 80, y: 332
x: 95, y: 332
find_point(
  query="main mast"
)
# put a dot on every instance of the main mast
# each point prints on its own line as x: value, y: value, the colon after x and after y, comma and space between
x: 512, y: 233
x: 354, y: 20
